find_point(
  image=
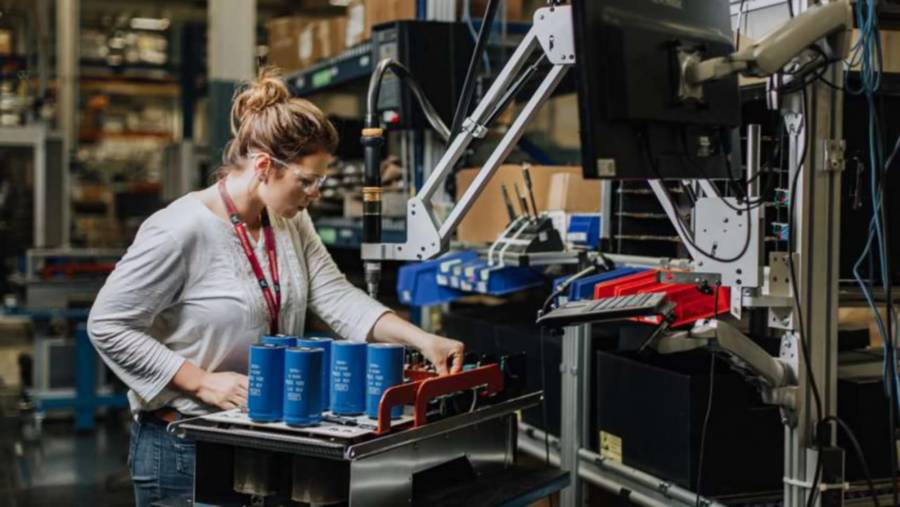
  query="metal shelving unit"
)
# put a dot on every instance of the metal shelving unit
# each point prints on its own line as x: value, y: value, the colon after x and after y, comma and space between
x: 51, y: 180
x: 354, y: 64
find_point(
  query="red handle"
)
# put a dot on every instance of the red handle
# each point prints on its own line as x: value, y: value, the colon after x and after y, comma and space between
x: 404, y: 394
x: 488, y: 376
x: 425, y: 386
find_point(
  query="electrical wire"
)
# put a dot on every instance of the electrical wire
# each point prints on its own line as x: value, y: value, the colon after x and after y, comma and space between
x: 709, y: 402
x: 866, y: 54
x: 401, y: 71
x: 468, y: 90
x: 860, y: 457
x: 568, y: 281
x: 470, y: 24
x: 683, y: 228
x: 752, y: 204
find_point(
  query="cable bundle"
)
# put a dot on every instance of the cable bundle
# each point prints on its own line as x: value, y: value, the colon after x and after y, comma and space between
x: 867, y: 55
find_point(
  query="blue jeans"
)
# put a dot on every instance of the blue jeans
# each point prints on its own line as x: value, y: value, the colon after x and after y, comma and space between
x: 161, y: 464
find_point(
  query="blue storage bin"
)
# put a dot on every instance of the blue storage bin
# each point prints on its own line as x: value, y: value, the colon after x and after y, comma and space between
x: 584, y: 230
x: 499, y: 281
x: 417, y: 283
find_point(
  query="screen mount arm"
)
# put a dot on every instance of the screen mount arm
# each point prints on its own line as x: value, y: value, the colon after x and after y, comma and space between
x: 766, y: 57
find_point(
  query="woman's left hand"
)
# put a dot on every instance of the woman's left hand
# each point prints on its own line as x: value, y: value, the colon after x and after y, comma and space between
x: 443, y: 352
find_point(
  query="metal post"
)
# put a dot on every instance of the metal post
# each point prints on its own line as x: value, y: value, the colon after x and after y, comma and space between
x: 232, y: 59
x: 43, y: 38
x: 572, y: 407
x: 816, y: 234
x: 67, y: 50
x: 754, y: 137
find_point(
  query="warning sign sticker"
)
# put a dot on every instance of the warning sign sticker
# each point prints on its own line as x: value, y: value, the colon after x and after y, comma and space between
x: 610, y: 447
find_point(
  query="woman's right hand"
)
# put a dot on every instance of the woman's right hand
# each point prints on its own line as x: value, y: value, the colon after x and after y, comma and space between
x: 226, y: 390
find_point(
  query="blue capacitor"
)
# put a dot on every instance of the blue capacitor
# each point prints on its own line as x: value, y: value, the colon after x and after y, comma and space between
x: 348, y: 378
x: 266, y: 380
x: 280, y: 340
x: 384, y: 369
x: 303, y: 386
x: 324, y: 343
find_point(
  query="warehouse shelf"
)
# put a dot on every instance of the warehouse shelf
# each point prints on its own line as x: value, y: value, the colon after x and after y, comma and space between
x: 18, y: 60
x: 94, y: 136
x: 352, y: 65
x: 100, y: 69
x: 118, y: 86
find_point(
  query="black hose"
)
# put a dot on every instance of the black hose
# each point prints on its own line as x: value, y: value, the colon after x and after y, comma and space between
x: 400, y: 70
x: 465, y: 98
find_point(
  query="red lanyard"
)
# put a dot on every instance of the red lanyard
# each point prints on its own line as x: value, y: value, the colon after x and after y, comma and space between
x: 273, y: 302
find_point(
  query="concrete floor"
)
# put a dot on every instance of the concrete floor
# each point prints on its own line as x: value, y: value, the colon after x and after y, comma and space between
x: 58, y: 466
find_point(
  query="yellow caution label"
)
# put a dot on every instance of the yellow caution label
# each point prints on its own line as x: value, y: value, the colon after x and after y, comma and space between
x: 610, y: 447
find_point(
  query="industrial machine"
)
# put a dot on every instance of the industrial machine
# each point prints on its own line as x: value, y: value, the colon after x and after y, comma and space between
x: 658, y: 100
x: 455, y: 445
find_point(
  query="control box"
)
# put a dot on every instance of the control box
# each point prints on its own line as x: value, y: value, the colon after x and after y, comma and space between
x: 437, y: 55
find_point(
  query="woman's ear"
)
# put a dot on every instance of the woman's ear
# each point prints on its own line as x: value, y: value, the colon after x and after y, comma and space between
x: 262, y: 164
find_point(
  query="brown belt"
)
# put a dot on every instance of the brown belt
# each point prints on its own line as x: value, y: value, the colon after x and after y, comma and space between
x: 165, y: 414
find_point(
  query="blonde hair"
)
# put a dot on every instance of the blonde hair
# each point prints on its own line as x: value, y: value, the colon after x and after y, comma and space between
x: 265, y: 118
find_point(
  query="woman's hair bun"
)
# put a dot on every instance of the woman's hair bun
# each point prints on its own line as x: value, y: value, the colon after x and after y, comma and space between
x: 265, y: 117
x: 265, y: 91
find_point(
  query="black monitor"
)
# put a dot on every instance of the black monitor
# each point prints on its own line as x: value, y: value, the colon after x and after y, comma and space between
x: 634, y: 125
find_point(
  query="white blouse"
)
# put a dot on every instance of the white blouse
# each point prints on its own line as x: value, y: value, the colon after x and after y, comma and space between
x: 185, y: 290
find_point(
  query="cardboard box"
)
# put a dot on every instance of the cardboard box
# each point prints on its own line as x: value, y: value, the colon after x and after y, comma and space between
x: 487, y: 217
x: 308, y: 48
x: 6, y: 42
x: 890, y: 49
x: 571, y: 193
x: 331, y: 37
x: 515, y: 10
x: 284, y: 40
x: 357, y: 30
x: 292, y: 42
x: 383, y: 11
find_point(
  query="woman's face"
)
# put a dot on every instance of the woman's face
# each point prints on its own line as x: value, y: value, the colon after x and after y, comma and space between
x: 291, y: 187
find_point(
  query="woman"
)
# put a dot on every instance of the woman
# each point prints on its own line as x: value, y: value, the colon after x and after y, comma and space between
x: 175, y: 319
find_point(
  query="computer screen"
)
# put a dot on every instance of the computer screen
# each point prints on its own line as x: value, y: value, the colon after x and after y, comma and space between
x: 634, y: 122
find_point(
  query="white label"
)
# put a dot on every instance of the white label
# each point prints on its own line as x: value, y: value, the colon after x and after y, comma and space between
x: 577, y: 236
x: 341, y: 376
x: 294, y: 385
x: 356, y: 24
x: 256, y: 380
x: 305, y: 43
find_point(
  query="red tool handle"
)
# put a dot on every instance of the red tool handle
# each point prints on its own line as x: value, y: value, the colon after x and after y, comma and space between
x: 404, y: 394
x: 488, y: 376
x: 426, y: 386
